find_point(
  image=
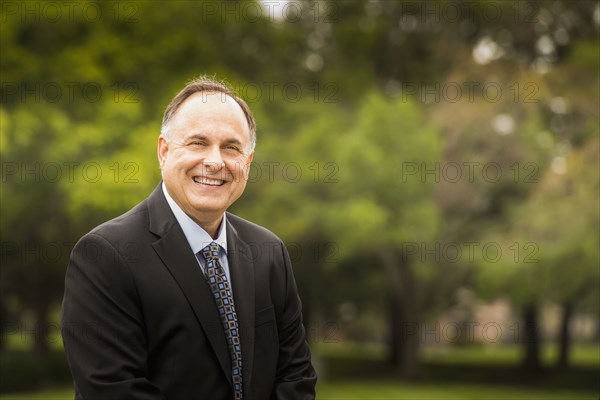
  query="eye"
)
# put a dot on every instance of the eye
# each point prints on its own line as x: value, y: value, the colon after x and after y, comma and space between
x: 197, y: 143
x: 232, y: 147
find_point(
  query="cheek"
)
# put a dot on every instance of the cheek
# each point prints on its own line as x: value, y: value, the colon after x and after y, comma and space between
x: 182, y: 164
x: 240, y: 168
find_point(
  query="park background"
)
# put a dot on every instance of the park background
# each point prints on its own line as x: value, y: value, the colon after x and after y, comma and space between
x: 432, y: 166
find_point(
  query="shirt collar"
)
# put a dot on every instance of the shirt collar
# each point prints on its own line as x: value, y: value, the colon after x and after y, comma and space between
x: 197, y: 237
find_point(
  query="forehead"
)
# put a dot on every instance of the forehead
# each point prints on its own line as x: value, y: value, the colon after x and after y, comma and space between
x: 210, y: 112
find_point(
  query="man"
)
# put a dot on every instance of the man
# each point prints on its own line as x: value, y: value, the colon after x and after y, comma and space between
x: 177, y: 298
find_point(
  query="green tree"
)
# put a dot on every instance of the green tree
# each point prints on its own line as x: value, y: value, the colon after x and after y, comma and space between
x: 371, y: 213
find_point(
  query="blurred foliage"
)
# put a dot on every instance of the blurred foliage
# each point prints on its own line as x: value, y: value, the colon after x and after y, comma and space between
x: 363, y: 108
x: 24, y: 370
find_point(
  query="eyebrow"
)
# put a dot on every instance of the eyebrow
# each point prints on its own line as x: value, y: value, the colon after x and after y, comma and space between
x: 233, y: 141
x: 199, y: 136
x: 196, y: 136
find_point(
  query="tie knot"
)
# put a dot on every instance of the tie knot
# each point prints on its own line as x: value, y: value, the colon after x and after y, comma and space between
x: 211, y: 251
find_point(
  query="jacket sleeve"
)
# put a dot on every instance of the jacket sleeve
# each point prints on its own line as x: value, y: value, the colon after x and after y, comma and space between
x: 102, y: 325
x: 296, y: 377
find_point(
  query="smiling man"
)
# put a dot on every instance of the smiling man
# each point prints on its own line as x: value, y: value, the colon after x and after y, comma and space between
x: 177, y: 298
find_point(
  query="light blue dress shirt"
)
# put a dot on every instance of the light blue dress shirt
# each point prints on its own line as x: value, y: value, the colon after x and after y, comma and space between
x: 197, y: 237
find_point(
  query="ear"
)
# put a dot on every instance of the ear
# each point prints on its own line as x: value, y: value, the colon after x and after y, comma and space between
x: 250, y: 157
x: 163, y: 149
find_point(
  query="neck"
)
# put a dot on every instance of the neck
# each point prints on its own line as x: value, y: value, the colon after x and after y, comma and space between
x: 210, y: 225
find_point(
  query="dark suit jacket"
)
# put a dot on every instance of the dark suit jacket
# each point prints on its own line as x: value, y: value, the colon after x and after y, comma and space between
x: 139, y: 320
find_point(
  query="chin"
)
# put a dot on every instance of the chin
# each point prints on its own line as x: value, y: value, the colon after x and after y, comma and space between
x: 208, y: 207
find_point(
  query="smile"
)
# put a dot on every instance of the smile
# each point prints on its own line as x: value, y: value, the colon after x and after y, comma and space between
x: 208, y: 181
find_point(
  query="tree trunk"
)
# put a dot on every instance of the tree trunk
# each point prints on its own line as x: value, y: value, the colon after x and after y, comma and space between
x: 405, y: 332
x: 564, y: 343
x: 3, y: 325
x: 396, y: 344
x: 40, y: 344
x: 531, y: 340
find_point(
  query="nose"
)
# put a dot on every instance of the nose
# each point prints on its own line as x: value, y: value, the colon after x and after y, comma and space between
x: 213, y: 161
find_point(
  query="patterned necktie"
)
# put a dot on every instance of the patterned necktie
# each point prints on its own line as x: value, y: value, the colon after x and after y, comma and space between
x: 215, y: 275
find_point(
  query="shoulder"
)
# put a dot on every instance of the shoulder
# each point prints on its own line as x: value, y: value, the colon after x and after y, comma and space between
x: 126, y: 228
x: 110, y: 248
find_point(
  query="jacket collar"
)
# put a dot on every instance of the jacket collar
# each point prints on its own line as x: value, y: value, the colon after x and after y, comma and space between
x: 174, y: 250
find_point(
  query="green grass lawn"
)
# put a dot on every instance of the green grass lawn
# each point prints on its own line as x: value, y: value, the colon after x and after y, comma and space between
x: 359, y: 372
x: 405, y: 391
x: 58, y: 394
x: 387, y: 390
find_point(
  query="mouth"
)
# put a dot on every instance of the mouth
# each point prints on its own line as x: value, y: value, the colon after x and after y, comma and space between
x: 202, y: 180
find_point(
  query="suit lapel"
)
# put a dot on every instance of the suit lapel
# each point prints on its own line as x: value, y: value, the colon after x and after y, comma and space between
x: 174, y: 251
x: 241, y: 269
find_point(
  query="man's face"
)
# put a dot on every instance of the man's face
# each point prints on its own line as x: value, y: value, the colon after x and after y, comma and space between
x: 205, y: 162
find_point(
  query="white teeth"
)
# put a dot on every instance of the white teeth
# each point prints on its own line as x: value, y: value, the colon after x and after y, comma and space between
x: 208, y: 181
